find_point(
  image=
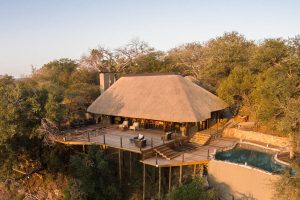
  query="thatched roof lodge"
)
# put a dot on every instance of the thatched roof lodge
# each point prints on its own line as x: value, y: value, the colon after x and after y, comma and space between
x: 161, y: 97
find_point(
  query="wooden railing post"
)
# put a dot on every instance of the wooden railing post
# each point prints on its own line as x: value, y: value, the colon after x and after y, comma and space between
x: 183, y: 157
x: 208, y: 154
x: 151, y: 141
x: 121, y: 145
x: 156, y: 159
x: 103, y: 138
x: 88, y: 135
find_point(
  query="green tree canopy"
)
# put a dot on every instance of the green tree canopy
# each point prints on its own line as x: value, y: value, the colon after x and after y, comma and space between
x: 236, y: 89
x: 277, y: 91
x: 224, y: 54
x: 94, y: 175
x: 270, y: 53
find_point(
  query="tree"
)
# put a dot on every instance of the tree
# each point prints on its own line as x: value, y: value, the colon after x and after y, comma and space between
x: 149, y: 63
x: 288, y: 185
x: 225, y: 53
x: 55, y: 109
x: 71, y: 89
x: 94, y: 175
x: 55, y: 72
x: 21, y: 109
x: 277, y: 92
x: 101, y: 59
x: 193, y: 191
x: 188, y: 59
x: 126, y: 55
x: 237, y: 87
x: 269, y: 54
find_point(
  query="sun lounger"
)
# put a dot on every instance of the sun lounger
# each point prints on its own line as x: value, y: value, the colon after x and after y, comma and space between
x: 167, y: 136
x: 135, y: 126
x: 124, y: 125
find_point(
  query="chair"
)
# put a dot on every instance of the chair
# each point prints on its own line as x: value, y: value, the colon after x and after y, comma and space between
x: 136, y: 138
x: 124, y: 125
x: 141, y: 143
x: 167, y: 136
x: 135, y: 126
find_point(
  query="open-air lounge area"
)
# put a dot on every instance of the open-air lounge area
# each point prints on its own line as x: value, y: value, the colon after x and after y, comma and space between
x: 122, y: 136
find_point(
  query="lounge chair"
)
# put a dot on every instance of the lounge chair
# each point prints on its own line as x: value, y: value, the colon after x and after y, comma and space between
x: 167, y: 136
x: 124, y: 125
x: 135, y: 126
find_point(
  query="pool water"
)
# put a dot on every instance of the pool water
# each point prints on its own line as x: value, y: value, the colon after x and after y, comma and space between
x: 256, y: 159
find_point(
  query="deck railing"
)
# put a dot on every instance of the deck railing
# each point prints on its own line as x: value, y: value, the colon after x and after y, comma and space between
x: 119, y: 141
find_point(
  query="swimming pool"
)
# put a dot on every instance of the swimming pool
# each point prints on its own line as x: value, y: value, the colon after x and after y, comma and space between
x: 252, y: 158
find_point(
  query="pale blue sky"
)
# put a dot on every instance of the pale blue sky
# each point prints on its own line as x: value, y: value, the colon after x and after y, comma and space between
x: 34, y: 32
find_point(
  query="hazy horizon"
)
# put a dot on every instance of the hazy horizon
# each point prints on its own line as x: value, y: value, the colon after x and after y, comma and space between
x: 35, y: 32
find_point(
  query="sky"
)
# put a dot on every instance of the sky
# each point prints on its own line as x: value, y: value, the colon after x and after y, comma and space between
x: 34, y: 32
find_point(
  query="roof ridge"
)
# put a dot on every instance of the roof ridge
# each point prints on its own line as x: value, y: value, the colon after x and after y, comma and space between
x: 151, y: 74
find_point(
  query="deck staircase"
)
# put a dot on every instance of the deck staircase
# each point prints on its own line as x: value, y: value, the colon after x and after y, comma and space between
x: 200, y: 138
x: 166, y: 152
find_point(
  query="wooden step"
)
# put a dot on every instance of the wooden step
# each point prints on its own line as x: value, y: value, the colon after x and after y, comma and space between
x: 166, y: 152
x: 200, y: 138
x: 161, y: 148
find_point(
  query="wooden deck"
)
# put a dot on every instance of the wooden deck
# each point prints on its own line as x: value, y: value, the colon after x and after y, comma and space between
x: 112, y: 136
x: 199, y: 155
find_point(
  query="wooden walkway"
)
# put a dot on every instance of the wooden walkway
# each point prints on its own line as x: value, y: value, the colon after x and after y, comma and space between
x: 198, y: 155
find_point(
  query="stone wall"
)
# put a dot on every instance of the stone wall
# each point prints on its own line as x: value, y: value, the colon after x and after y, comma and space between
x: 256, y: 136
x: 235, y: 181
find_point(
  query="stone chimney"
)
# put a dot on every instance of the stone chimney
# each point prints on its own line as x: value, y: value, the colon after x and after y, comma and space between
x: 106, y: 80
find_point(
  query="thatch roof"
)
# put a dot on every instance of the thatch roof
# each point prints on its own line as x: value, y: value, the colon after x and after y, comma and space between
x: 160, y: 97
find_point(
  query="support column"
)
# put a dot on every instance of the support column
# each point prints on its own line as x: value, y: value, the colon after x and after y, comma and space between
x: 180, y: 175
x: 154, y: 174
x: 120, y: 167
x: 130, y: 167
x: 144, y: 180
x: 170, y: 178
x: 201, y: 168
x: 207, y: 124
x: 195, y: 167
x: 159, y: 182
x: 217, y: 121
